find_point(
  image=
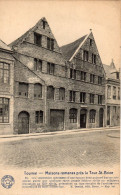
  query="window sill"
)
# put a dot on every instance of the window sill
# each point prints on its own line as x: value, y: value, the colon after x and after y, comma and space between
x: 5, y: 123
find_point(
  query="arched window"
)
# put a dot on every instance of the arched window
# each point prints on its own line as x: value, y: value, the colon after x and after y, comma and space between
x: 50, y: 92
x: 73, y: 115
x: 62, y: 93
x: 92, y: 116
x: 37, y: 91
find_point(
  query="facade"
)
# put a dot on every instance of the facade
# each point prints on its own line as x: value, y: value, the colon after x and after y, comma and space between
x: 6, y: 89
x: 112, y: 95
x: 55, y: 88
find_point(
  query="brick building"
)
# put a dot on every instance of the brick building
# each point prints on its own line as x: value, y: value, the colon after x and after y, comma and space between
x: 56, y: 88
x: 6, y: 89
x: 112, y: 94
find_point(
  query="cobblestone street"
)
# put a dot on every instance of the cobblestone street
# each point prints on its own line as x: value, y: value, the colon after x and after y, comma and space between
x: 75, y: 149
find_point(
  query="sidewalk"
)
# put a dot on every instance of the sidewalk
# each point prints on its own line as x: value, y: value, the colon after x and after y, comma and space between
x: 58, y: 132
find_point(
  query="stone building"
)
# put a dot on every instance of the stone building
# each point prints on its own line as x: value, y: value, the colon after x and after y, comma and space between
x: 57, y: 88
x: 6, y: 89
x: 112, y: 94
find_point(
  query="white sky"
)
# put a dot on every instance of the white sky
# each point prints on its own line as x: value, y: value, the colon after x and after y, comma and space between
x: 69, y: 20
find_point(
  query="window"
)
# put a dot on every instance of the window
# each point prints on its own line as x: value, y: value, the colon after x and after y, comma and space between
x: 118, y: 93
x: 100, y: 99
x: 92, y: 78
x: 93, y: 58
x: 23, y: 89
x: 92, y: 116
x: 108, y: 115
x: 62, y: 93
x: 37, y: 91
x: 99, y: 80
x: 108, y: 92
x: 86, y: 55
x: 90, y: 41
x: 50, y: 44
x: 82, y: 97
x: 37, y: 39
x: 73, y: 115
x: 92, y: 96
x: 50, y: 68
x: 72, y: 96
x: 83, y: 76
x: 117, y: 75
x: 4, y: 110
x: 37, y: 65
x: 50, y: 92
x: 39, y: 117
x: 114, y: 93
x: 4, y: 73
x: 72, y: 73
x: 43, y: 24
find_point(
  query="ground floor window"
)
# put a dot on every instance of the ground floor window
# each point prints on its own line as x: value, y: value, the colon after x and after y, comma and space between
x: 39, y: 117
x: 92, y: 116
x: 4, y: 110
x: 73, y: 115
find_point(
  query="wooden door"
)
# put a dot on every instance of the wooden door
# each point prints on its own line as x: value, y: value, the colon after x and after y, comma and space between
x: 57, y: 120
x: 101, y: 117
x: 23, y: 125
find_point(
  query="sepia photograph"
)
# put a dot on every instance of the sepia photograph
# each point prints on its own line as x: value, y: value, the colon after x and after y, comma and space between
x: 60, y: 97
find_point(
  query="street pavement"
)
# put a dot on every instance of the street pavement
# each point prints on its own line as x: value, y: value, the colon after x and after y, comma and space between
x: 77, y: 148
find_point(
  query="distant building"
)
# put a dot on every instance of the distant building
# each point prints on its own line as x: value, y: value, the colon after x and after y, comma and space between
x: 112, y: 95
x: 6, y: 89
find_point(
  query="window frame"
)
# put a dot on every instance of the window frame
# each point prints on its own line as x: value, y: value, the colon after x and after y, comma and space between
x: 37, y: 95
x: 86, y: 55
x: 3, y: 70
x: 92, y: 98
x: 72, y: 96
x: 73, y: 115
x: 39, y: 117
x: 4, y: 106
x: 62, y: 98
x: 92, y: 116
x: 48, y: 95
x: 50, y: 68
x: 82, y: 97
x: 21, y: 92
x: 37, y: 39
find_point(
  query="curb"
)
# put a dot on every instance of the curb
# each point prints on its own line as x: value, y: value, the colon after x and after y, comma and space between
x: 57, y: 132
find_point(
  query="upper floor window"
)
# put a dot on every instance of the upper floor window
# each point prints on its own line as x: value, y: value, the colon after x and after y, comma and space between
x: 72, y: 73
x: 118, y: 93
x: 117, y: 75
x: 92, y: 116
x: 4, y: 73
x: 73, y: 115
x: 38, y: 39
x: 114, y: 93
x: 93, y: 58
x: 62, y: 93
x: 108, y: 91
x: 99, y: 80
x: 83, y: 76
x: 92, y: 96
x: 23, y: 89
x: 50, y: 43
x: 72, y: 97
x: 90, y: 42
x: 37, y: 91
x: 86, y: 55
x: 4, y: 110
x: 43, y: 24
x: 50, y: 68
x: 38, y: 65
x: 82, y: 97
x: 50, y: 92
x: 100, y: 98
x: 92, y: 78
x: 39, y: 117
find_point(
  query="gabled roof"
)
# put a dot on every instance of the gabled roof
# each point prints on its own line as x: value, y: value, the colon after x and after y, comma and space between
x: 110, y: 71
x: 4, y: 46
x: 21, y: 38
x: 69, y: 49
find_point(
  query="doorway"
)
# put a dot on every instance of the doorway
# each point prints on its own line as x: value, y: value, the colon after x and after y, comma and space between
x: 57, y: 120
x: 101, y: 117
x: 83, y: 114
x: 23, y: 122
